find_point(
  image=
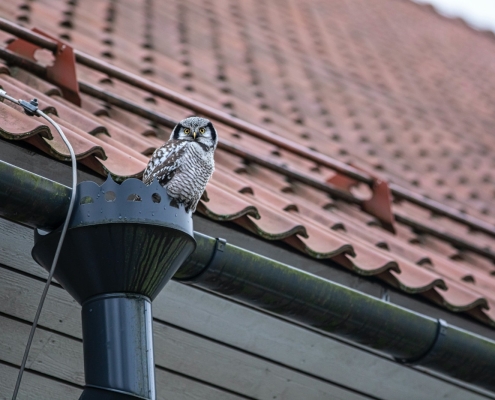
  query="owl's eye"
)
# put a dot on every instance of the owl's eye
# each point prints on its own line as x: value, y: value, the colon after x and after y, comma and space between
x: 202, y: 130
x: 187, y: 131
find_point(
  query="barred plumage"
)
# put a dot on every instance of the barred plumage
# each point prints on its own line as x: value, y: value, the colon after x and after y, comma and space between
x: 185, y: 163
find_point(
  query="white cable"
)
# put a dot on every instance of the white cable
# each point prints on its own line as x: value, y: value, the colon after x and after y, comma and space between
x: 62, y: 235
x: 4, y: 94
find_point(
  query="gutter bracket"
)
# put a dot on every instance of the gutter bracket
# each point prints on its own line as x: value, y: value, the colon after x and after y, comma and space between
x: 380, y: 203
x: 217, y: 252
x: 63, y: 71
x: 440, y: 337
x: 216, y: 260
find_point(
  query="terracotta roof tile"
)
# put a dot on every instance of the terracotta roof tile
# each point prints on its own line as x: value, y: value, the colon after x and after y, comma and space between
x: 415, y: 280
x: 123, y: 135
x: 225, y: 206
x: 136, y: 124
x: 229, y: 161
x: 17, y: 126
x: 59, y: 106
x: 93, y: 106
x: 119, y: 164
x: 83, y: 143
x: 39, y: 84
x: 267, y: 178
x: 271, y: 224
x: 331, y: 76
x: 460, y: 297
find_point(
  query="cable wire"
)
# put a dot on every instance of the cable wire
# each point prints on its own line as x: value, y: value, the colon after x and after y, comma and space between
x: 32, y: 109
x: 4, y: 94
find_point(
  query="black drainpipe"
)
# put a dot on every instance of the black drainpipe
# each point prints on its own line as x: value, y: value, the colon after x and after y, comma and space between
x: 407, y: 336
x: 123, y: 245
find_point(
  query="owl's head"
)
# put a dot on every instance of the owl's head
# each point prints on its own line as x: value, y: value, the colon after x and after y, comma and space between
x: 198, y: 129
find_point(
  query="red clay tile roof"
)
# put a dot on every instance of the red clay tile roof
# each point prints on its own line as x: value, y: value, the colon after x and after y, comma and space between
x: 385, y: 84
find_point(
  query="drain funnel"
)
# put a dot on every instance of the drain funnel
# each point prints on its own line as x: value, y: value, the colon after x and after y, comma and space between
x: 123, y: 245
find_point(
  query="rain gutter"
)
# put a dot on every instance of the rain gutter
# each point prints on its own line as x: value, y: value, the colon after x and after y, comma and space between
x: 407, y: 336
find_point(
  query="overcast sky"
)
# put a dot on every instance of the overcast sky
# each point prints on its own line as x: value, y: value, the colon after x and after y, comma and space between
x: 479, y: 13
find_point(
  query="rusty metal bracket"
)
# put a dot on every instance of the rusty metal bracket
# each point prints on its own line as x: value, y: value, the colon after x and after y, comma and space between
x: 380, y: 203
x: 63, y: 71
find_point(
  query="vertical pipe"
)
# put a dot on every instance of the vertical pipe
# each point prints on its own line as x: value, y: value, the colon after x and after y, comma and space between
x: 118, y: 347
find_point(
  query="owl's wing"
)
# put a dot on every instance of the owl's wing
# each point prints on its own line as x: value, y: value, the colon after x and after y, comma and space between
x: 165, y: 162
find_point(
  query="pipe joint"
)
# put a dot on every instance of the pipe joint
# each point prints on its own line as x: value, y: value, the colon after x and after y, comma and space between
x: 432, y: 352
x: 214, y: 264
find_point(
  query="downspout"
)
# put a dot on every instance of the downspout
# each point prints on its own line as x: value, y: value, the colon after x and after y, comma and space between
x: 123, y: 244
x: 407, y: 336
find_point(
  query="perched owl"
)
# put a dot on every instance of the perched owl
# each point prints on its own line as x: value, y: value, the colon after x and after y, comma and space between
x: 185, y: 163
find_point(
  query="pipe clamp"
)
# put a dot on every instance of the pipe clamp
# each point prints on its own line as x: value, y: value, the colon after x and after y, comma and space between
x: 440, y: 337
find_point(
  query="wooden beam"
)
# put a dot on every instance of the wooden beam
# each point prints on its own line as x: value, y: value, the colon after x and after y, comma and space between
x: 60, y: 357
x: 186, y: 353
x: 33, y: 384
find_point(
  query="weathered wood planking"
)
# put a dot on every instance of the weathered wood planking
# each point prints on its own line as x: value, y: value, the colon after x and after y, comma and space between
x: 241, y: 327
x: 238, y: 371
x: 16, y: 243
x: 34, y: 386
x: 51, y: 353
x: 175, y: 350
x: 61, y: 357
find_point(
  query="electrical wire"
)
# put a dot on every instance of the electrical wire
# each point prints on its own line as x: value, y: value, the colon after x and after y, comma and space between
x: 31, y: 108
x: 4, y: 94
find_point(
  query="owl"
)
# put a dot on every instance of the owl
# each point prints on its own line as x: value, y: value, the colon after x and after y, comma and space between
x: 185, y: 163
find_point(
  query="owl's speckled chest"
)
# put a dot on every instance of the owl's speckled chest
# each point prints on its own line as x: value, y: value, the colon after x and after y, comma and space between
x: 196, y: 168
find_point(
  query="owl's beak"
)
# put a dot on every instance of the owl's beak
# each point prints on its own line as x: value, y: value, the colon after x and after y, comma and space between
x: 194, y: 135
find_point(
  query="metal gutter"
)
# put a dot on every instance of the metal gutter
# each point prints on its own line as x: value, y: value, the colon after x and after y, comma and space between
x: 31, y: 199
x: 407, y: 336
x: 284, y: 143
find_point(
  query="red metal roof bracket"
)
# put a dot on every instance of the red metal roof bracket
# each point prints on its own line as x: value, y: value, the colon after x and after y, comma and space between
x: 342, y: 182
x: 63, y: 71
x: 380, y: 203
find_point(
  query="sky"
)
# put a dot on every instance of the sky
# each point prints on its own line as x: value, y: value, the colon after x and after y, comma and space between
x: 478, y: 13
